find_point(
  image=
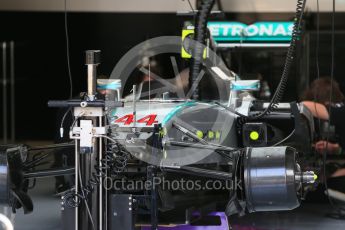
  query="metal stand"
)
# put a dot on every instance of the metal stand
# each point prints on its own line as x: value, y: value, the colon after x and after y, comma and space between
x: 87, y: 131
x: 90, y: 153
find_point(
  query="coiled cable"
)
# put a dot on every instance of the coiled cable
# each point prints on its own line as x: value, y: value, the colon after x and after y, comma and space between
x: 278, y: 95
x: 200, y: 35
x: 120, y: 159
x: 296, y: 34
x: 72, y: 199
x: 114, y: 161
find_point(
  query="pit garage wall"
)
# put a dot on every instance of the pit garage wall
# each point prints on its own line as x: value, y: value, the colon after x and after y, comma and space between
x: 41, y: 72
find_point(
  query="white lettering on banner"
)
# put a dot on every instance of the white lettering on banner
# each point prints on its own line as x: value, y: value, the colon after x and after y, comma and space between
x: 237, y: 30
x: 280, y: 30
x: 226, y: 29
x: 214, y: 30
x: 266, y: 30
x: 251, y: 30
x: 290, y: 28
x: 260, y: 30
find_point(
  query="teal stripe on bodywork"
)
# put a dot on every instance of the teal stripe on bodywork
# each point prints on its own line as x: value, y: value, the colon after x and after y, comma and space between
x: 176, y: 110
x: 254, y: 86
x: 113, y: 86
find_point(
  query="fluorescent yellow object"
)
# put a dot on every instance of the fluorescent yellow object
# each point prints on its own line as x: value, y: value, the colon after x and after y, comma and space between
x: 217, y: 135
x: 210, y: 134
x: 162, y: 132
x: 200, y: 134
x: 254, y: 135
x: 188, y: 34
x: 185, y: 33
x: 315, y: 177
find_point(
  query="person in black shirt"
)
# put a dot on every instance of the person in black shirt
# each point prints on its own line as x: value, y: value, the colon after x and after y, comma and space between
x: 317, y: 100
x: 336, y: 118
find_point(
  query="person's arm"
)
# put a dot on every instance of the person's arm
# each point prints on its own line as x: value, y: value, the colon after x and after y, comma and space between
x: 333, y: 148
x: 318, y: 110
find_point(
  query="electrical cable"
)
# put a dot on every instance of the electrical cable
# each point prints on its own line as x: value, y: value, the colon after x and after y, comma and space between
x: 220, y: 5
x: 296, y: 32
x: 286, y: 138
x: 63, y: 121
x: 200, y: 34
x: 85, y: 200
x: 119, y: 162
x: 68, y: 52
x: 115, y: 165
x: 317, y: 60
x: 106, y: 137
x: 190, y: 5
x: 318, y: 39
x: 76, y: 119
x: 72, y: 200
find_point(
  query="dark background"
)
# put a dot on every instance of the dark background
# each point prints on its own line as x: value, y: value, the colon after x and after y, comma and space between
x: 41, y: 67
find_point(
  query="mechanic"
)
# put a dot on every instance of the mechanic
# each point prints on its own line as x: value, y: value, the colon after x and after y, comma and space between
x: 319, y: 92
x: 317, y: 100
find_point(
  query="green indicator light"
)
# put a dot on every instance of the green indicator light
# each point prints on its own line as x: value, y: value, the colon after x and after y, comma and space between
x: 254, y: 135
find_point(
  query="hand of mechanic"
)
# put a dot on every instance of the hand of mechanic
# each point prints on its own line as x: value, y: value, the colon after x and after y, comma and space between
x: 320, y: 147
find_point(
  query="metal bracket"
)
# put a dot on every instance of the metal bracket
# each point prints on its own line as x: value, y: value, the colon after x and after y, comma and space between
x: 89, y: 111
